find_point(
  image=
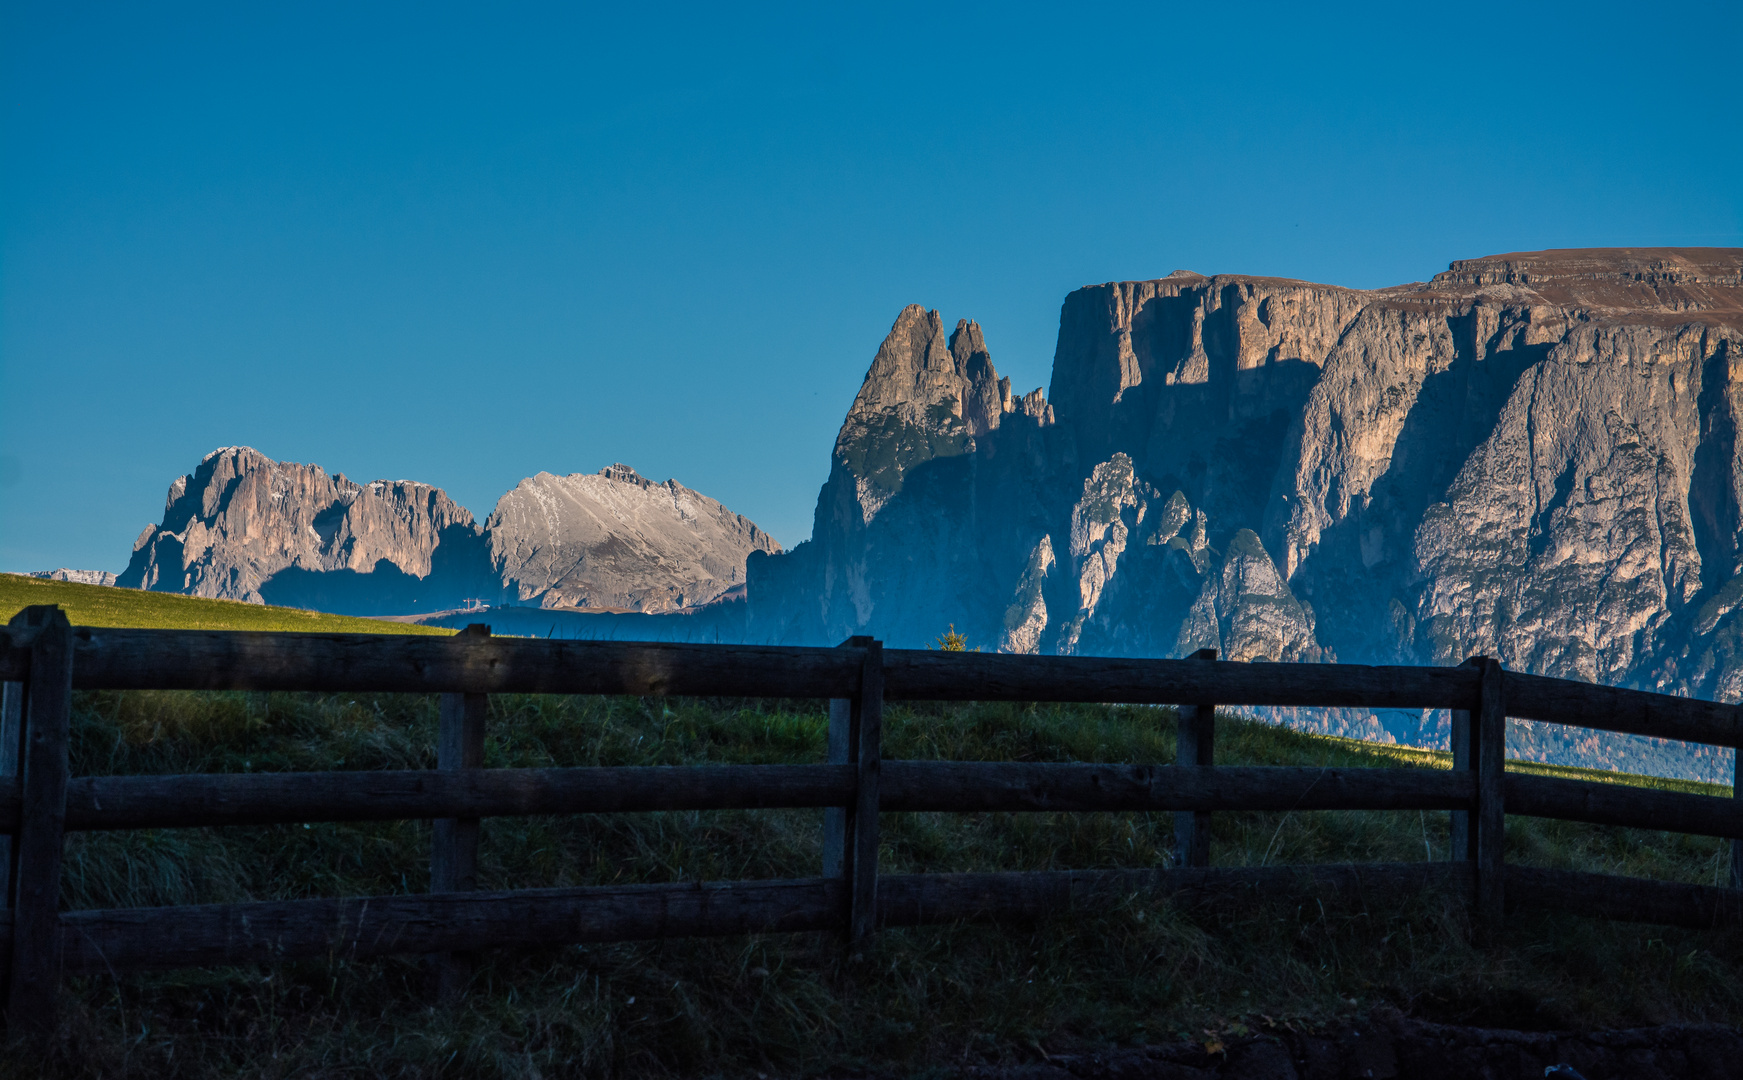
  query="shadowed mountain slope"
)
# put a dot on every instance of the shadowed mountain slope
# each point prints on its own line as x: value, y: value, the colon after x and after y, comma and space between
x: 1531, y: 456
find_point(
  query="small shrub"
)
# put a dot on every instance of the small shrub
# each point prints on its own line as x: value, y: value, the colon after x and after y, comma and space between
x: 951, y: 641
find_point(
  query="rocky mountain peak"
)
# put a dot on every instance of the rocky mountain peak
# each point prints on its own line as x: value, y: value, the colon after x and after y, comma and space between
x: 616, y: 541
x: 623, y: 474
x: 240, y: 519
x: 242, y: 526
x: 920, y: 378
x: 926, y: 396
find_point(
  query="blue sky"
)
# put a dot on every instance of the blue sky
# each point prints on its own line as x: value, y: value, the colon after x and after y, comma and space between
x: 466, y: 244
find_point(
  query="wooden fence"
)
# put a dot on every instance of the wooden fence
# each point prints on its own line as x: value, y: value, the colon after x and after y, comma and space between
x: 43, y: 659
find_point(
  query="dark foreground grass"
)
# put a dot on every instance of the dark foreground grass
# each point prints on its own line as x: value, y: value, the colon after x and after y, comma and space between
x: 792, y: 1005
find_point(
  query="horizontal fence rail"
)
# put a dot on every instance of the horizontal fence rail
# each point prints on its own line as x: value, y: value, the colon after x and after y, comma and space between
x: 131, y: 939
x: 203, y: 800
x: 106, y: 659
x: 134, y: 939
x: 38, y: 801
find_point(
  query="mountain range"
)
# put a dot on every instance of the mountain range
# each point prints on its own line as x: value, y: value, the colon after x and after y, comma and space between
x: 1532, y: 456
x: 242, y: 526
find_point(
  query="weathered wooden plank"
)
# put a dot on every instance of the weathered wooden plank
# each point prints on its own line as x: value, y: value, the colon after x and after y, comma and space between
x: 1625, y: 899
x: 191, y: 659
x: 1195, y: 747
x: 15, y: 652
x: 247, y: 660
x: 868, y: 735
x: 33, y: 983
x: 454, y: 840
x: 460, y: 746
x: 137, y: 802
x: 1609, y: 708
x: 205, y: 935
x: 215, y: 799
x: 915, y: 899
x: 1616, y: 804
x: 924, y: 675
x: 840, y: 751
x: 210, y: 799
x: 98, y: 942
x: 1461, y: 839
x: 1488, y: 817
x: 110, y: 659
x: 130, y: 939
x: 11, y: 745
x: 835, y: 817
x: 1020, y: 786
x: 1737, y: 800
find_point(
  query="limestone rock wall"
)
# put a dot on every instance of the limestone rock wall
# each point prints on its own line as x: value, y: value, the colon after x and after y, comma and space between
x: 240, y: 520
x: 1532, y: 456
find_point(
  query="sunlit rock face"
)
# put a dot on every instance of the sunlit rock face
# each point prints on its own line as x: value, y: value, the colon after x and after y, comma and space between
x: 615, y: 541
x: 1532, y: 456
x: 245, y: 527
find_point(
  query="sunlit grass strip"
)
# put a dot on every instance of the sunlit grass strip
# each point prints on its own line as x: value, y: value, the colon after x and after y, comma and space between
x: 108, y: 606
x: 1442, y: 759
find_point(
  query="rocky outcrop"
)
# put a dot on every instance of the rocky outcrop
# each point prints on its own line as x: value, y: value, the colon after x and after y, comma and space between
x: 615, y: 541
x: 245, y: 527
x: 901, y: 532
x: 1533, y: 456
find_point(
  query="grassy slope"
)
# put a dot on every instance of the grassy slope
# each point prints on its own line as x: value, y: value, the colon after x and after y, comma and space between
x: 1442, y: 759
x: 99, y: 605
x: 791, y: 1004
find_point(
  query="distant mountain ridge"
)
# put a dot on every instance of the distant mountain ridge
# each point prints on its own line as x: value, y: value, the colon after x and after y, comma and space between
x: 245, y: 527
x: 78, y: 577
x: 1533, y: 456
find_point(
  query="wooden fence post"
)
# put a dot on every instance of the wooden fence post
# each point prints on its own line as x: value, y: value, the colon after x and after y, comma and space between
x: 850, y: 837
x: 1195, y: 745
x: 1462, y: 846
x: 11, y: 742
x: 33, y: 984
x: 835, y: 818
x: 454, y: 841
x: 1488, y: 736
x: 1737, y: 842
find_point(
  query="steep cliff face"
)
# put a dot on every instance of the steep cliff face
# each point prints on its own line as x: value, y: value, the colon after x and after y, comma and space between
x: 616, y: 541
x: 245, y: 527
x: 1532, y: 456
x: 901, y: 530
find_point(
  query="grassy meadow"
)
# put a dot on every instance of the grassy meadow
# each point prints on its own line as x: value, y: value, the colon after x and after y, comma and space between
x: 102, y: 605
x: 792, y: 1005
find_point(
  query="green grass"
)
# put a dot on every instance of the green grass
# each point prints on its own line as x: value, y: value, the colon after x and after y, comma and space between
x: 791, y: 1005
x: 1442, y: 759
x: 100, y: 605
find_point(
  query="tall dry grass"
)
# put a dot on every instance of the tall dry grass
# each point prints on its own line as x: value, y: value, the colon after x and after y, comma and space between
x: 792, y: 1004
